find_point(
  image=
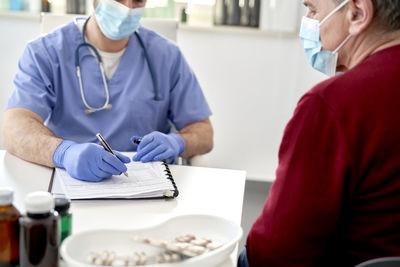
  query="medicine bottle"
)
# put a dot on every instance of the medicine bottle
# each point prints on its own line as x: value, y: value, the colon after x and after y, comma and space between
x: 62, y: 204
x: 17, y: 5
x: 9, y: 229
x: 76, y: 6
x: 35, y: 6
x: 45, y: 5
x: 39, y: 232
x: 58, y: 6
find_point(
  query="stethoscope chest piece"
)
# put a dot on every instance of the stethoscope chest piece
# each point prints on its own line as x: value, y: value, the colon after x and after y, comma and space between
x: 89, y: 111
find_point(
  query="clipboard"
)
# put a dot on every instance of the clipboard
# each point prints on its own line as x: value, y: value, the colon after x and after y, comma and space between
x: 151, y: 180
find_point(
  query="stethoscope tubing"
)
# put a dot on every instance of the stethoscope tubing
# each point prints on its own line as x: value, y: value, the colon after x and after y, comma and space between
x: 89, y: 109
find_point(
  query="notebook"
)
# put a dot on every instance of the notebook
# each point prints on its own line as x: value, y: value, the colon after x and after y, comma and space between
x: 145, y: 180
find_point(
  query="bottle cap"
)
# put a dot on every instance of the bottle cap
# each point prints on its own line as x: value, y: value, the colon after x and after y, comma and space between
x: 6, y: 196
x: 62, y: 203
x: 39, y: 202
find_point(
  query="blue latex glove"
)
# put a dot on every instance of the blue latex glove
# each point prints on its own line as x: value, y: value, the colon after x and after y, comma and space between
x: 157, y: 146
x: 88, y: 161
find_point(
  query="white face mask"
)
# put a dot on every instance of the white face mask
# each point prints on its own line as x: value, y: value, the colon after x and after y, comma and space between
x: 324, y: 61
x: 117, y: 21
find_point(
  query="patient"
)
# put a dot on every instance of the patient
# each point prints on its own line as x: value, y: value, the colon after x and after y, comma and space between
x: 336, y: 197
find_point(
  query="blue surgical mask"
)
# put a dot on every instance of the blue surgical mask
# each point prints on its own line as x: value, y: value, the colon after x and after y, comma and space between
x: 324, y: 61
x: 116, y: 20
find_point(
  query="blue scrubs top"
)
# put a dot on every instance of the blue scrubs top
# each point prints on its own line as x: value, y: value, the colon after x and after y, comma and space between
x: 46, y: 83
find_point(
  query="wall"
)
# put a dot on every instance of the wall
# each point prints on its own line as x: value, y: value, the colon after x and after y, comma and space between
x: 251, y: 79
x: 15, y: 31
x: 253, y: 82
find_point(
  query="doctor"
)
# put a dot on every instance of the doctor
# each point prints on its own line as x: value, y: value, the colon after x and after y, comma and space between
x: 105, y: 74
x: 335, y: 200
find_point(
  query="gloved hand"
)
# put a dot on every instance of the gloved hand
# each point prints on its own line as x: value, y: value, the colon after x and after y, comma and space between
x: 157, y: 146
x: 88, y: 161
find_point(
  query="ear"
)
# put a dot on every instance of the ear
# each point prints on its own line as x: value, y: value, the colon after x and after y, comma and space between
x: 360, y: 15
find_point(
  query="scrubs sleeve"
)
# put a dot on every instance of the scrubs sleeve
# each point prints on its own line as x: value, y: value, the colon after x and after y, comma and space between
x: 33, y: 87
x: 187, y: 101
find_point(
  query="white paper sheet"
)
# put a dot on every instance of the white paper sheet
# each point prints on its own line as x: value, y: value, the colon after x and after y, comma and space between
x: 145, y: 180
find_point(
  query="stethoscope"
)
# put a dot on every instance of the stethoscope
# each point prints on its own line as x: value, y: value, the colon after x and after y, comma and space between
x: 107, y: 105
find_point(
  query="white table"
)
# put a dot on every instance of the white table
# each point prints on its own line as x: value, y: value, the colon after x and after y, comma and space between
x: 201, y: 191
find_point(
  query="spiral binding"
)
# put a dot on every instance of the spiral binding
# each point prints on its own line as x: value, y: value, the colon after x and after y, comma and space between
x: 169, y: 177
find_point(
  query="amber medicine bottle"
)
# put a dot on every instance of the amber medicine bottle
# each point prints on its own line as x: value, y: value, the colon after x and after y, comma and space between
x: 9, y: 229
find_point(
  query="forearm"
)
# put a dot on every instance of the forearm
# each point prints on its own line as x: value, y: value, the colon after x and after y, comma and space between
x: 198, y: 138
x: 25, y: 136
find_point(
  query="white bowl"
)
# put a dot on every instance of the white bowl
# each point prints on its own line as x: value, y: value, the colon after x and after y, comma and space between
x: 76, y: 248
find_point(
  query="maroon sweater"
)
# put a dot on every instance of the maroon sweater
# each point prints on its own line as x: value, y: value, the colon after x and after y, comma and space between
x: 336, y: 198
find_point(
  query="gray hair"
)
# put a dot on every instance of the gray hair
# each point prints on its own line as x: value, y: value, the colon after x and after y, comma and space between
x: 386, y: 13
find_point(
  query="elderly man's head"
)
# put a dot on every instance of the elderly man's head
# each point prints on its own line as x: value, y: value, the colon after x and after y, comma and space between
x: 370, y: 23
x: 386, y: 14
